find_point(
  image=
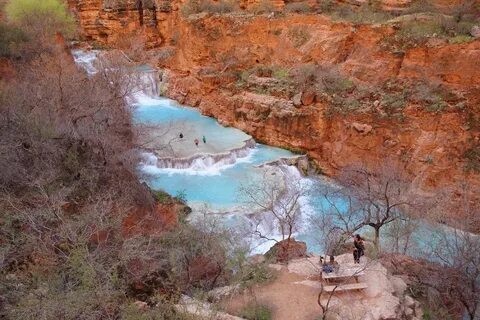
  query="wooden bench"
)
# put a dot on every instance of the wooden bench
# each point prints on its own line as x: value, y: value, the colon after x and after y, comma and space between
x: 345, y: 287
x: 343, y: 274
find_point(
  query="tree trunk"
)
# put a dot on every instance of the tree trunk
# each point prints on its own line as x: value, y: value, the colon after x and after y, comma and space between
x: 376, y: 241
x: 140, y: 11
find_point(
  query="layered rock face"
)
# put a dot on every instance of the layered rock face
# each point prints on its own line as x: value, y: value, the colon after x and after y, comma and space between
x: 203, y: 57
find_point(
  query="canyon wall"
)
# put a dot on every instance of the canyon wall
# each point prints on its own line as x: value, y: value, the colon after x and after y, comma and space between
x: 203, y: 57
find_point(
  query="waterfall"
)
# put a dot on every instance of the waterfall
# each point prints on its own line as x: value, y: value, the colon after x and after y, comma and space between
x: 148, y: 82
x: 147, y: 76
x: 202, y: 164
x: 205, y: 161
x: 86, y: 60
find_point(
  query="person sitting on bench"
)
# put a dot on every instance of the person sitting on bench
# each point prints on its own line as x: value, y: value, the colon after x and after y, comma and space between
x: 331, y: 266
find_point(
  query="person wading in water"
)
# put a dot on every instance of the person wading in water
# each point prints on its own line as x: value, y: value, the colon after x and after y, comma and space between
x: 196, y: 142
x: 204, y: 139
x: 181, y: 135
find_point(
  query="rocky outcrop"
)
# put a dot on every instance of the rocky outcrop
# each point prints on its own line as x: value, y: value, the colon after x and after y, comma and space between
x: 164, y: 216
x: 385, y: 296
x: 475, y: 32
x: 420, y: 274
x: 286, y: 250
x: 201, y: 310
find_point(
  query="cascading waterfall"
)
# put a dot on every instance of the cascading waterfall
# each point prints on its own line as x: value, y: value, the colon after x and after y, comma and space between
x: 205, y: 161
x: 148, y: 81
x: 86, y: 60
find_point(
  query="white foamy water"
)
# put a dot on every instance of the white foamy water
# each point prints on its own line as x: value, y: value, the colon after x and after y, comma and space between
x: 86, y: 60
x: 205, y: 165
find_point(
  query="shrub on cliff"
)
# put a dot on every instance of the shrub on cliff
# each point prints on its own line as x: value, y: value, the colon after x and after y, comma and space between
x: 472, y: 159
x: 46, y: 16
x: 298, y: 7
x: 299, y: 35
x: 198, y: 6
x: 10, y: 36
x: 365, y: 14
x: 264, y: 6
x: 115, y: 4
x: 40, y: 22
x: 324, y: 78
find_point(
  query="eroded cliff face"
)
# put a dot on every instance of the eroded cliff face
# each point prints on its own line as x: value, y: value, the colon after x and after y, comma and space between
x: 203, y: 57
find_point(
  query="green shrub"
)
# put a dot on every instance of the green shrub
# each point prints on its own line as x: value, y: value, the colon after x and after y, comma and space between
x: 472, y: 157
x: 324, y: 78
x: 264, y: 6
x: 161, y: 196
x: 280, y: 74
x: 9, y: 37
x: 265, y: 71
x: 48, y: 15
x: 198, y: 6
x: 393, y: 102
x: 415, y: 33
x: 115, y: 4
x: 255, y: 311
x: 298, y: 7
x: 224, y: 6
x: 422, y: 29
x: 461, y: 39
x: 437, y: 105
x: 299, y: 35
x: 181, y: 196
x: 366, y: 14
x: 253, y: 274
x: 421, y: 6
x: 432, y: 96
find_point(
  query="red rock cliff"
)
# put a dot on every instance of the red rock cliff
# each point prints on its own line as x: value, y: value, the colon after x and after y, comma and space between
x: 203, y: 55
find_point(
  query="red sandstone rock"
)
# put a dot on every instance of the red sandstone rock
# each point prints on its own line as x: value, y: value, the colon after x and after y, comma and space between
x: 285, y: 250
x: 308, y: 97
x: 362, y: 128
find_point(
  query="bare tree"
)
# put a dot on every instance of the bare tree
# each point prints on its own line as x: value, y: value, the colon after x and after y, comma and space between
x: 275, y: 200
x: 383, y: 192
x: 458, y: 251
x: 400, y: 234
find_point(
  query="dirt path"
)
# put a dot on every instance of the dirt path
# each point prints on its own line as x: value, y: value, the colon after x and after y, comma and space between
x: 294, y: 292
x: 288, y: 301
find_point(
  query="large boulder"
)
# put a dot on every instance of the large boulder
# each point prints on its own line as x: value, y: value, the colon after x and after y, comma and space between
x: 286, y: 250
x: 308, y: 97
x: 297, y: 99
x: 475, y: 32
x: 362, y: 128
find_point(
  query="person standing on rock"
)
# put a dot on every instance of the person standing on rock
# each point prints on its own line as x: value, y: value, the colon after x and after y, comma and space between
x: 204, y: 139
x: 196, y: 142
x: 359, y: 248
